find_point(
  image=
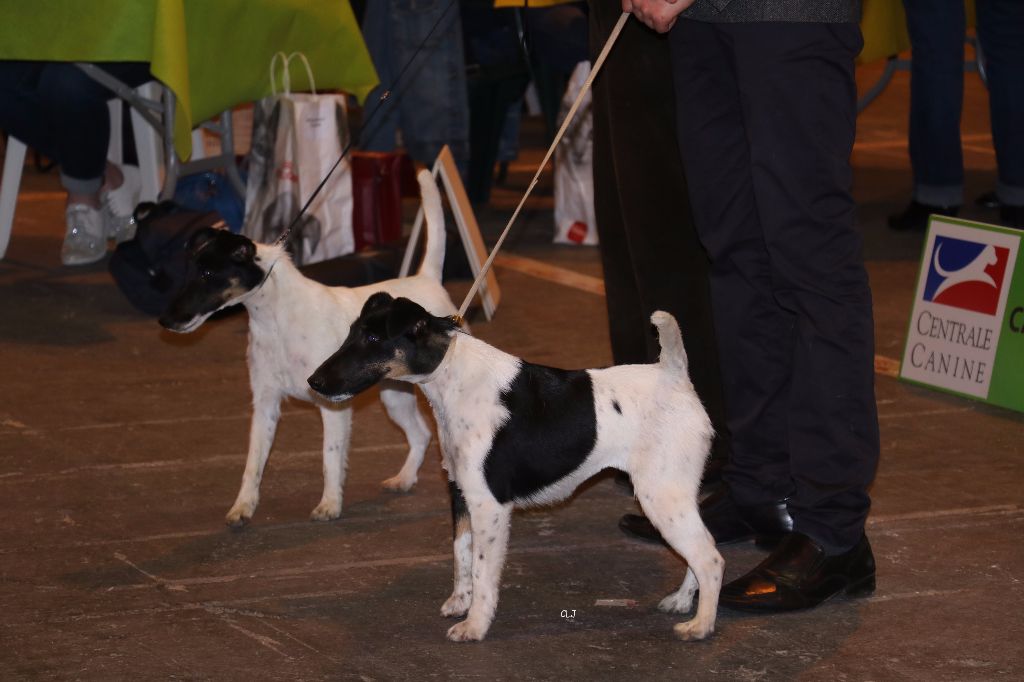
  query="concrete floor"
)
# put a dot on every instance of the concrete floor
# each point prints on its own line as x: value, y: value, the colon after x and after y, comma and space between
x: 121, y: 447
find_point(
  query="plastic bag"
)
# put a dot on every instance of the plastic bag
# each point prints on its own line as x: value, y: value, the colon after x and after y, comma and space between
x: 574, y: 177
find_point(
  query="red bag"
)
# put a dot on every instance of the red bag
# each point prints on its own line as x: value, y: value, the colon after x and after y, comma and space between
x: 377, y: 184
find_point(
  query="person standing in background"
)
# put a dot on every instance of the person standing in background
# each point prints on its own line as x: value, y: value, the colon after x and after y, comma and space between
x: 431, y: 108
x: 937, y: 31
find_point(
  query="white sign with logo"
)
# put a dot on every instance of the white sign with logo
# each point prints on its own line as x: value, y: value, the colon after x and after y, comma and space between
x: 959, y: 307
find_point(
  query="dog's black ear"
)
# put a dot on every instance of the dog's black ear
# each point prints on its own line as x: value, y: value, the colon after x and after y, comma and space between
x: 379, y: 300
x: 244, y: 251
x: 406, y: 317
x: 200, y: 238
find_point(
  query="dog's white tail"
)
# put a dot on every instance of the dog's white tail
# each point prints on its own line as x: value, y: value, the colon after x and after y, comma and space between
x: 673, y: 354
x: 433, y: 212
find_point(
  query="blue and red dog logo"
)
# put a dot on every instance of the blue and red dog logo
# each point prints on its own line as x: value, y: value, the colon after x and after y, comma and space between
x: 965, y: 274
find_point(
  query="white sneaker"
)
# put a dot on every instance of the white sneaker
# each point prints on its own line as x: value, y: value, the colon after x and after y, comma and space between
x: 120, y: 203
x: 86, y: 237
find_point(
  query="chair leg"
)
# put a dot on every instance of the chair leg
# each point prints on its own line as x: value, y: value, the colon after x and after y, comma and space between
x: 198, y: 145
x: 172, y: 166
x: 227, y: 149
x: 115, y: 150
x: 148, y: 145
x: 14, y: 164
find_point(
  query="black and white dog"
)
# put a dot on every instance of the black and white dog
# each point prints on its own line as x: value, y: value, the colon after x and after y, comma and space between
x: 294, y: 323
x: 518, y: 434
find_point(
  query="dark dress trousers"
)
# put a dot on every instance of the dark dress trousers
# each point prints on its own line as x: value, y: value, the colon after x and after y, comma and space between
x: 766, y: 116
x: 650, y: 252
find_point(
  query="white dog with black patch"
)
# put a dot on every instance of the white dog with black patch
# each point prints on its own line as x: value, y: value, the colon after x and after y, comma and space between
x: 294, y: 323
x: 517, y: 434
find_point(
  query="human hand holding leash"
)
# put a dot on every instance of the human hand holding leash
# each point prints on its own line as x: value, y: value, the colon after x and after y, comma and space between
x: 660, y: 15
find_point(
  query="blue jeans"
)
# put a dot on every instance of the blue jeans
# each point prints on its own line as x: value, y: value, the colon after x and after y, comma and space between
x: 937, y: 29
x: 59, y: 111
x: 430, y: 104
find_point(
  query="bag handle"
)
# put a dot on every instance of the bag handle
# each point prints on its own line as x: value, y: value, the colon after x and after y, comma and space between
x: 286, y: 78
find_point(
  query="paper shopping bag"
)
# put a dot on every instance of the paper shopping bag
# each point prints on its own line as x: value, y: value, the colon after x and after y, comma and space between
x: 296, y: 139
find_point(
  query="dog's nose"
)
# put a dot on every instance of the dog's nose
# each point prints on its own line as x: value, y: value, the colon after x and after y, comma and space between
x: 317, y: 383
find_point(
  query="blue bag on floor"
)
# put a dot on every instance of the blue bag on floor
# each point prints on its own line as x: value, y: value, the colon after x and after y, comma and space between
x: 211, y: 191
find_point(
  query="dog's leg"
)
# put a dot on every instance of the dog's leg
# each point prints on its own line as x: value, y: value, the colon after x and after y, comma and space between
x: 678, y: 521
x: 337, y: 429
x: 400, y: 402
x: 681, y: 601
x: 265, y: 413
x: 489, y: 520
x: 462, y: 544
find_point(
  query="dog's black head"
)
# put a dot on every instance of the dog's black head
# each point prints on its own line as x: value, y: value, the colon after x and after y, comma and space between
x: 222, y: 267
x: 393, y: 338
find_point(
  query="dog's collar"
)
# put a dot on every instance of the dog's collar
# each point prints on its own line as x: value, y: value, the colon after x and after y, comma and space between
x: 448, y: 354
x: 265, y: 277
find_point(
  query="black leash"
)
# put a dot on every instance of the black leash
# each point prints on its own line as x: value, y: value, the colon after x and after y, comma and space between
x: 380, y: 105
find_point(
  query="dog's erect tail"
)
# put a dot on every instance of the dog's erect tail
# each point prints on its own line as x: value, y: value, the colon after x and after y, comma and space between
x: 673, y: 354
x: 433, y: 212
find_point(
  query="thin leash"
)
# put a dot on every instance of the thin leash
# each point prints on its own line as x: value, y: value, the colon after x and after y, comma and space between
x: 380, y: 105
x: 460, y: 317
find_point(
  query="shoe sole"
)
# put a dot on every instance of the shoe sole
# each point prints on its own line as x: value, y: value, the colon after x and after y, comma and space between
x: 862, y: 588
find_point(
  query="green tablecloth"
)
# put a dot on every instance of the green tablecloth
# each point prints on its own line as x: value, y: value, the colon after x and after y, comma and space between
x: 214, y: 54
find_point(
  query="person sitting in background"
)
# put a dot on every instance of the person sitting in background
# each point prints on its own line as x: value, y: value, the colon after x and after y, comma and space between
x: 937, y: 29
x: 59, y: 111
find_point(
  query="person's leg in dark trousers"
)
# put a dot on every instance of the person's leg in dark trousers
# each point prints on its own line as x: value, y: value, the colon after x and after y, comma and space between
x: 55, y: 108
x: 1001, y: 34
x: 766, y: 124
x: 59, y: 111
x: 714, y: 148
x: 651, y: 256
x: 21, y: 112
x: 936, y: 30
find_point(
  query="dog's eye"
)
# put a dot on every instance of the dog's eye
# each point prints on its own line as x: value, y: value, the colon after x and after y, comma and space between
x: 372, y: 338
x: 206, y: 274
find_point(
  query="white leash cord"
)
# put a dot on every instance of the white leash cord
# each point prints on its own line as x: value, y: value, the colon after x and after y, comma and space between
x: 551, y: 150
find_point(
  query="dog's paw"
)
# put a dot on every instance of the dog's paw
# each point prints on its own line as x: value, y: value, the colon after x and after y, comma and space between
x: 676, y: 603
x: 238, y: 516
x: 692, y: 631
x: 326, y: 511
x: 466, y: 632
x: 456, y: 605
x: 398, y: 484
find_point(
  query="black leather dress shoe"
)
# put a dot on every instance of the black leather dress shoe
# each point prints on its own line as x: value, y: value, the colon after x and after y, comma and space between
x: 727, y: 522
x: 915, y: 216
x: 988, y: 200
x: 639, y: 527
x: 799, y: 575
x: 1011, y: 216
